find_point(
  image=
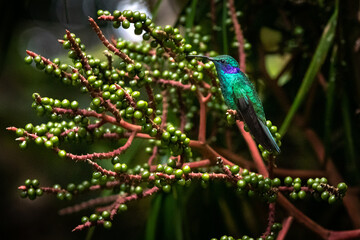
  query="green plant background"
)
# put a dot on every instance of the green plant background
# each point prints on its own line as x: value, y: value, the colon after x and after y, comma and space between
x: 271, y: 27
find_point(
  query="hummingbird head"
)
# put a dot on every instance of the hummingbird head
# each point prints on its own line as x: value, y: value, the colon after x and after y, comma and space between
x: 223, y: 63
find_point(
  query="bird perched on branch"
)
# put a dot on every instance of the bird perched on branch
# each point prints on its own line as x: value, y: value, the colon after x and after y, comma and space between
x: 240, y: 95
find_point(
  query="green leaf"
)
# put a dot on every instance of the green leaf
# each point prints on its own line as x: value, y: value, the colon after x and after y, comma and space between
x: 152, y: 223
x: 172, y: 216
x: 330, y: 95
x: 190, y: 17
x: 318, y: 59
x: 156, y: 9
x: 350, y: 151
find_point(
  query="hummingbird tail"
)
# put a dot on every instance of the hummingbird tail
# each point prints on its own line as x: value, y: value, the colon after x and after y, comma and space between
x: 270, y: 139
x: 258, y: 129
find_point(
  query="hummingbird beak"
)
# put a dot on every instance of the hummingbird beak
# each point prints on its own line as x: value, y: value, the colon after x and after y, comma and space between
x: 200, y: 56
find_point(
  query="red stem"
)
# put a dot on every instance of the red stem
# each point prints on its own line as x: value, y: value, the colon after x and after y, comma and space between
x: 78, y: 51
x: 253, y: 150
x: 286, y: 224
x: 88, y: 204
x: 202, y: 123
x: 107, y: 43
x: 271, y: 219
x: 106, y: 155
x: 239, y: 36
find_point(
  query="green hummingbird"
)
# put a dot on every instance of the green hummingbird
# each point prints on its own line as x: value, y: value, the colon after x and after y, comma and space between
x: 239, y: 94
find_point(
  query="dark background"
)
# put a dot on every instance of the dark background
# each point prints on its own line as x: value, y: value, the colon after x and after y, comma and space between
x: 36, y: 25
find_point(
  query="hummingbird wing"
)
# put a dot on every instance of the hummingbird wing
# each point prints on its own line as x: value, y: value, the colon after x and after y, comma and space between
x: 258, y: 129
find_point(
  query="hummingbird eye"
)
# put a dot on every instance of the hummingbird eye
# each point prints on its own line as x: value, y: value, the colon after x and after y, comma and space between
x: 222, y: 61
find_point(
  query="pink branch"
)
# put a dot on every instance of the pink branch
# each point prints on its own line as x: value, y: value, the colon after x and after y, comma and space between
x: 202, y: 123
x: 88, y: 204
x: 285, y: 228
x: 111, y: 154
x: 253, y: 150
x: 104, y: 117
x: 153, y: 156
x: 239, y: 36
x: 100, y: 169
x: 132, y: 197
x: 271, y: 219
x: 87, y: 225
x: 182, y: 109
x: 173, y: 83
x: 78, y: 51
x: 107, y: 43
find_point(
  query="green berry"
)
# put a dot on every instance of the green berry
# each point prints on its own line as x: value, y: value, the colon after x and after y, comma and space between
x: 186, y: 169
x: 93, y: 217
x: 141, y: 104
x: 19, y: 132
x: 160, y: 168
x: 323, y: 180
x: 241, y: 183
x: 60, y: 195
x: 235, y: 169
x: 123, y: 207
x: 166, y: 136
x: 166, y: 188
x: 157, y: 120
x: 288, y: 181
x: 49, y: 144
x: 117, y: 167
x: 116, y: 14
x: 325, y: 195
x: 96, y: 175
x: 107, y: 224
x: 275, y: 182
x: 126, y: 24
x: 35, y: 183
x: 168, y: 170
x: 138, y: 25
x: 138, y: 190
x: 301, y: 194
x: 28, y: 60
x: 105, y: 214
x: 27, y: 182
x: 245, y: 172
x: 84, y: 219
x: 145, y: 174
x: 297, y: 186
x: 273, y: 129
x: 310, y: 182
x: 178, y: 173
x: 138, y: 114
x: 100, y: 12
x: 332, y: 199
x: 342, y: 187
x: 171, y: 162
x: 31, y: 193
x: 205, y: 177
x: 230, y: 119
x: 294, y: 195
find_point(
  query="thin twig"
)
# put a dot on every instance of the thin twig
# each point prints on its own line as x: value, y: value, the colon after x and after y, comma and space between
x: 239, y: 36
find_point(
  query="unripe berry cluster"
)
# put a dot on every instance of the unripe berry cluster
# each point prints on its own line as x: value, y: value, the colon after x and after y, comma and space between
x: 275, y: 228
x: 31, y: 189
x: 253, y: 184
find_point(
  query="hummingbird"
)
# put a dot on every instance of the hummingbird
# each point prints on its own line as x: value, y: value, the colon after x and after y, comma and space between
x: 239, y: 94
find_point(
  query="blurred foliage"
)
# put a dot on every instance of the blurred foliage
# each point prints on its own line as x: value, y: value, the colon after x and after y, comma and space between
x: 278, y: 34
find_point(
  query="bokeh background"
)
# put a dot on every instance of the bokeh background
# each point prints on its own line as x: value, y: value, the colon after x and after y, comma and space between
x: 276, y: 28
